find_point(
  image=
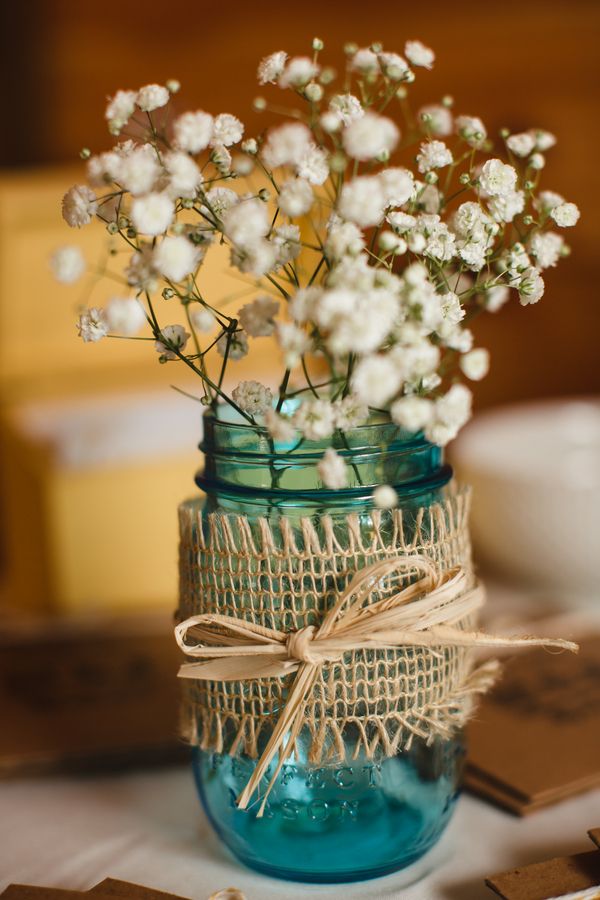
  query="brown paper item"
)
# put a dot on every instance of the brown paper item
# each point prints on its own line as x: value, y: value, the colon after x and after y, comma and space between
x: 114, y: 887
x: 594, y: 833
x: 99, y: 692
x: 552, y: 878
x: 36, y: 892
x: 536, y: 738
x: 479, y: 784
x: 502, y: 795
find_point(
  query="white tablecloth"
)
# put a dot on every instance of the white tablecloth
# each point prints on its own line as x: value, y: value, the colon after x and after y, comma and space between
x: 148, y: 827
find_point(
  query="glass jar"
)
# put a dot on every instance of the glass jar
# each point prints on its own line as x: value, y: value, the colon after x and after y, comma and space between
x: 368, y: 814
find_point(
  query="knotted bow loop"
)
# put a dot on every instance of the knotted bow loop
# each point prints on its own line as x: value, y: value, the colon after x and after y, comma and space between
x: 423, y: 612
x: 299, y: 645
x: 366, y: 581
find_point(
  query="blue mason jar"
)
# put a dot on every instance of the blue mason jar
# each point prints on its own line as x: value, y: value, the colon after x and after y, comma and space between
x: 367, y: 814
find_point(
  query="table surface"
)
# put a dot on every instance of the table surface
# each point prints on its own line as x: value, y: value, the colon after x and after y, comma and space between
x: 148, y: 827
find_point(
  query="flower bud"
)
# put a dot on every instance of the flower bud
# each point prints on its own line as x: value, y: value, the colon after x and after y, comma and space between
x: 465, y: 178
x: 131, y: 233
x: 317, y: 44
x: 338, y: 162
x: 264, y: 195
x: 417, y: 242
x: 431, y: 178
x: 250, y: 146
x: 327, y: 76
x: 187, y: 203
x: 168, y: 293
x: 172, y: 85
x: 401, y: 93
x: 527, y: 220
x: 395, y: 73
x: 242, y: 165
x: 259, y: 104
x: 537, y: 161
x: 112, y: 228
x: 448, y: 101
x: 313, y: 92
x: 330, y: 122
x: 504, y: 133
x: 377, y: 47
x: 85, y: 153
x: 388, y: 241
x: 350, y: 49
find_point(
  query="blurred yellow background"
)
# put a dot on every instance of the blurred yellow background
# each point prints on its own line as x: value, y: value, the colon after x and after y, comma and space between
x: 96, y: 450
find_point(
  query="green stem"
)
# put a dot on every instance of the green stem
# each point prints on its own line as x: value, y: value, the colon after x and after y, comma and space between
x: 283, y: 389
x: 344, y: 442
x: 307, y: 376
x: 278, y: 286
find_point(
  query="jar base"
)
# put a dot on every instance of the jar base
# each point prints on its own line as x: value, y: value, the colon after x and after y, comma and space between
x: 327, y: 834
x: 414, y: 867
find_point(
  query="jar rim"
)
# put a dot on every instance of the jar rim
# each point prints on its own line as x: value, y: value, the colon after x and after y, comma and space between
x: 376, y: 418
x: 239, y: 456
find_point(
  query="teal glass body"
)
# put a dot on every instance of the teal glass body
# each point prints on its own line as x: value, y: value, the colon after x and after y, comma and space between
x: 362, y: 817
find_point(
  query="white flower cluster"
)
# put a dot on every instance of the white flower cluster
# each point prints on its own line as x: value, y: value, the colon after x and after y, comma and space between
x: 253, y: 397
x: 363, y: 268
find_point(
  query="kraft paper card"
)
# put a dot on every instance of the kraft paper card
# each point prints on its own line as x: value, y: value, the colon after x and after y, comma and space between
x: 113, y: 887
x: 88, y: 695
x: 35, y: 892
x: 536, y: 738
x: 567, y: 876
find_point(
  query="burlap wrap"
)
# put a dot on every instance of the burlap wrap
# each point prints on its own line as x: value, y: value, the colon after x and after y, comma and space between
x: 284, y: 575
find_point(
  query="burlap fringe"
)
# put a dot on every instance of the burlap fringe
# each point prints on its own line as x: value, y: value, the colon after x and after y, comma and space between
x: 284, y: 574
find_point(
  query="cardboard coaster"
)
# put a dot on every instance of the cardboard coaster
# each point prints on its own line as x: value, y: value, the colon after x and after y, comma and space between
x: 571, y: 877
x: 114, y: 887
x: 89, y: 695
x: 535, y: 738
x: 107, y: 889
x: 36, y: 892
x: 553, y: 878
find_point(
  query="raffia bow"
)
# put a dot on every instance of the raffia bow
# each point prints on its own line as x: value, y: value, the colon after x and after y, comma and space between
x: 235, y: 649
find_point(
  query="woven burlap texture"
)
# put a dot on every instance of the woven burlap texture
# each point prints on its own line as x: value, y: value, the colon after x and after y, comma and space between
x: 283, y: 574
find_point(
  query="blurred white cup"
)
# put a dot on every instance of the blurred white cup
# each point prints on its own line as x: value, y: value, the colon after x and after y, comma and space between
x: 535, y: 472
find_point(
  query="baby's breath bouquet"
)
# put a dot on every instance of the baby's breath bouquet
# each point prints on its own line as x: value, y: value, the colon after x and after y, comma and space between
x: 372, y: 234
x: 330, y: 641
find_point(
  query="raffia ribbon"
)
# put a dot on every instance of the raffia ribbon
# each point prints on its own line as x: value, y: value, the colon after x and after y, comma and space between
x: 235, y: 649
